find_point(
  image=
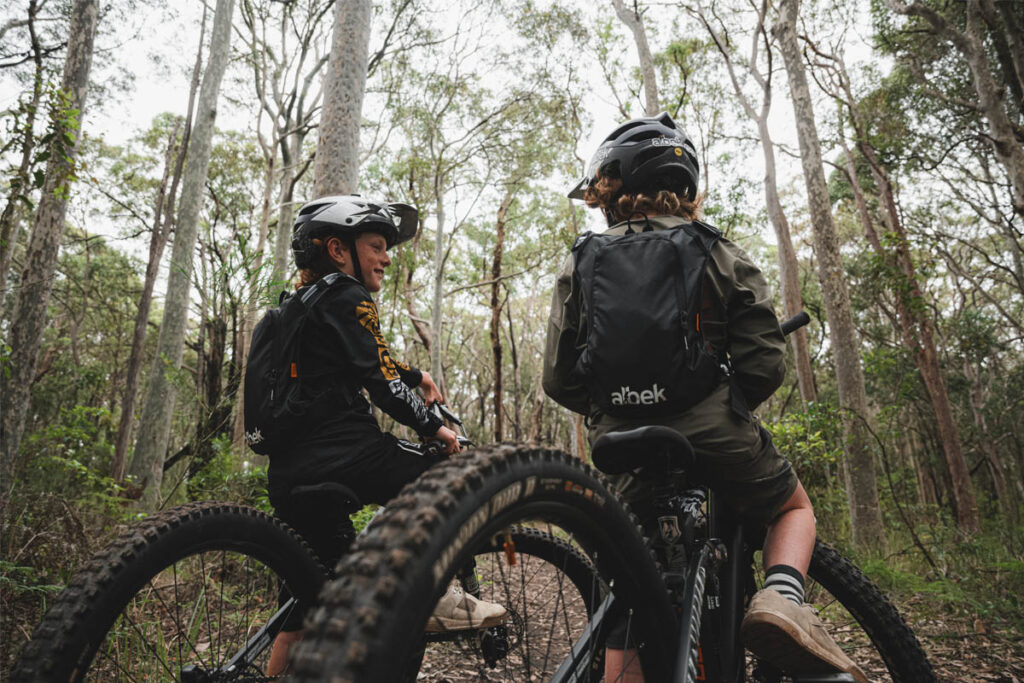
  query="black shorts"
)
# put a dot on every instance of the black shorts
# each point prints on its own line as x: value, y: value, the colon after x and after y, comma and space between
x: 320, y: 519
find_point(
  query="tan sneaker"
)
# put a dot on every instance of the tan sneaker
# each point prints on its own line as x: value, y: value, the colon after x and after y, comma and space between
x: 458, y: 610
x: 792, y: 637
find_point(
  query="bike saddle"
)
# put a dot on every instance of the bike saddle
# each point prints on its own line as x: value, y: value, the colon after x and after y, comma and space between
x: 338, y: 494
x: 654, y: 447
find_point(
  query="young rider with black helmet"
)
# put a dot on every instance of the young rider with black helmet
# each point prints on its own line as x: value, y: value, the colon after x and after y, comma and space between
x: 344, y: 239
x: 645, y: 174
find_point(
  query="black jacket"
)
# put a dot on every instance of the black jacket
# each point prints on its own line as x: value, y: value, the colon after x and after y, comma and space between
x: 343, y: 352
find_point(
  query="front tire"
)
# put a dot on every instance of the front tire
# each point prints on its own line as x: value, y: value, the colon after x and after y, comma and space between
x: 374, y: 614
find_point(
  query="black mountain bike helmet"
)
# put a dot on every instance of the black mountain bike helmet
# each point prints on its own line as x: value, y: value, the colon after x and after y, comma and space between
x: 346, y: 216
x: 647, y: 153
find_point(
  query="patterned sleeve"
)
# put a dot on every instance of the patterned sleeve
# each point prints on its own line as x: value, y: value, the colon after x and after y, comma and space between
x: 356, y: 320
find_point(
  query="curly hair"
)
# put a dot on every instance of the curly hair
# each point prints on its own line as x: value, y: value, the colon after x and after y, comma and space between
x: 605, y: 195
x: 321, y: 266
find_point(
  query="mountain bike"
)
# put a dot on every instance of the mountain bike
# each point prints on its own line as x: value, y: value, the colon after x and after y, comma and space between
x: 673, y: 584
x: 198, y: 593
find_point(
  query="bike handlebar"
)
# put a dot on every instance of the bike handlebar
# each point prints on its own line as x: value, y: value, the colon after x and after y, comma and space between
x: 795, y: 323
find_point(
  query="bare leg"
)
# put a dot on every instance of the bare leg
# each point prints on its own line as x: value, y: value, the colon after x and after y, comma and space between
x: 279, y: 651
x: 791, y: 534
x: 622, y: 666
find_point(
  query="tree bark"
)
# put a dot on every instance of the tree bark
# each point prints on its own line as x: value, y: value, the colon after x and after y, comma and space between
x: 858, y: 463
x: 29, y: 316
x: 336, y: 169
x: 633, y: 19
x: 155, y: 424
x: 496, y: 257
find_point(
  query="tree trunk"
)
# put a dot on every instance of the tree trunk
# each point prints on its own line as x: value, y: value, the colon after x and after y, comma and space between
x: 291, y: 149
x: 157, y: 242
x: 29, y: 316
x: 436, y: 309
x: 633, y: 20
x: 10, y: 223
x: 499, y: 247
x: 789, y: 269
x: 537, y: 413
x: 336, y: 170
x: 858, y: 463
x: 916, y: 326
x: 155, y: 424
x: 163, y: 222
x: 1007, y: 499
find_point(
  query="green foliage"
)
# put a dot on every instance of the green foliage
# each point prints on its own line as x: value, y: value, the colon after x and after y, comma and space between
x: 811, y: 440
x: 21, y: 580
x: 70, y: 456
x: 228, y: 476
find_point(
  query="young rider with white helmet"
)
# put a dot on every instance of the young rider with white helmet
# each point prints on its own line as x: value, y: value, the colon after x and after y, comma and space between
x: 341, y: 441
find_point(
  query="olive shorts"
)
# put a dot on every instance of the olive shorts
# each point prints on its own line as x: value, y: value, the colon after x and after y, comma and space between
x: 735, y: 457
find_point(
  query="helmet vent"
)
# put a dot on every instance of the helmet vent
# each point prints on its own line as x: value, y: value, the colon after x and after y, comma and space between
x: 311, y: 208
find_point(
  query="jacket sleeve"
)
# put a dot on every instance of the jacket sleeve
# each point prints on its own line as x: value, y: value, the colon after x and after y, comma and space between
x: 756, y: 345
x: 412, y: 377
x: 565, y: 342
x: 354, y: 316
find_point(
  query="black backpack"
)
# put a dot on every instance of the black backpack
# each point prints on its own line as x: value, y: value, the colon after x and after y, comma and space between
x: 642, y: 293
x: 275, y: 406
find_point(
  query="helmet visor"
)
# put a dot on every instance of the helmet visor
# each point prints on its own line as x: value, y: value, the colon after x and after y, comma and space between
x: 579, y: 189
x: 407, y: 220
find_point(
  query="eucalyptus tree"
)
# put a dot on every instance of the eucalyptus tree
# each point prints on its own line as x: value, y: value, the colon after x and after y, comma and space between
x: 22, y: 138
x: 633, y: 18
x: 286, y: 49
x: 29, y: 317
x: 858, y: 463
x: 162, y: 223
x: 929, y: 81
x: 336, y: 167
x: 916, y: 324
x: 988, y: 37
x: 757, y: 66
x: 447, y: 124
x: 146, y: 466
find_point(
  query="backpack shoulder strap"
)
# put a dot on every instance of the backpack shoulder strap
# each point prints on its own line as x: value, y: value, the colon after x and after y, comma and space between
x: 323, y: 285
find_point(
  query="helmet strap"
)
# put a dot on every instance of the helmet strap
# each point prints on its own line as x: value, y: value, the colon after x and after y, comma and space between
x: 356, y: 267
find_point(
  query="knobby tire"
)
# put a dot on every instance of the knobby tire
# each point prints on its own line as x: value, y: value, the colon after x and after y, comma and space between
x: 72, y: 644
x: 373, y: 615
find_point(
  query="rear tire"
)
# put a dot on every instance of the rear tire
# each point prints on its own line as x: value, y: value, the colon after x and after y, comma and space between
x: 188, y: 586
x: 863, y: 622
x: 373, y: 616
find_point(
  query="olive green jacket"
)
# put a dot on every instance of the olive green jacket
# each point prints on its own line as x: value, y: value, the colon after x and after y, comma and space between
x: 739, y: 321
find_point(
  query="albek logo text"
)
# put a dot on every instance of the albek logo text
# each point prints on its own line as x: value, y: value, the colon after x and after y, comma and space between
x: 627, y: 397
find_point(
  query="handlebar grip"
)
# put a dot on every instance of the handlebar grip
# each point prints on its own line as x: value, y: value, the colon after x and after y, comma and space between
x: 795, y: 323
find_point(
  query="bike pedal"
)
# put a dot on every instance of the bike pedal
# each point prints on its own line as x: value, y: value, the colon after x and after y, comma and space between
x: 824, y: 678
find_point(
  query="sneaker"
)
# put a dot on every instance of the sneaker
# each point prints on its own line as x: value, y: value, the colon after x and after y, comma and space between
x: 458, y: 610
x: 792, y: 637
